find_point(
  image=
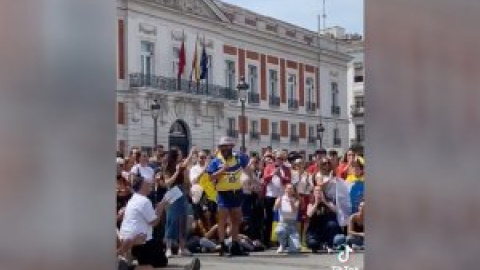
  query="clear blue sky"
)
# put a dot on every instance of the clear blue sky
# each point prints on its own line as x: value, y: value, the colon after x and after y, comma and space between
x: 345, y: 13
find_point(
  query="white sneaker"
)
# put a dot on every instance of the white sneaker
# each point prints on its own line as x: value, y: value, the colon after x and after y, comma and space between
x: 184, y: 253
x: 280, y: 249
x: 168, y: 253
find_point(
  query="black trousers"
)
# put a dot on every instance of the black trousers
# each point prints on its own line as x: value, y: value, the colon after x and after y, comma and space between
x: 269, y: 202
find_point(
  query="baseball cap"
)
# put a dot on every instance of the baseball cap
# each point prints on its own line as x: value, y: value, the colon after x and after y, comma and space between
x: 226, y: 141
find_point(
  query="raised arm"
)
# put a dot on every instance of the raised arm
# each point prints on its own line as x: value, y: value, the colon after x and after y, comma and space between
x: 278, y: 204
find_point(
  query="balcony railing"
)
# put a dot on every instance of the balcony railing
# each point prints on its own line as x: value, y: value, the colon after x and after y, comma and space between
x: 274, y: 101
x: 312, y: 140
x: 294, y: 138
x: 232, y: 133
x: 293, y: 104
x: 357, y: 141
x: 335, y: 110
x: 275, y: 137
x: 311, y: 106
x: 253, y: 98
x: 254, y: 135
x: 358, y: 111
x: 182, y: 86
x: 337, y: 141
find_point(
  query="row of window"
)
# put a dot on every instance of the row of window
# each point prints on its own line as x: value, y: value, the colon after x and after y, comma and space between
x: 147, y: 68
x: 254, y: 129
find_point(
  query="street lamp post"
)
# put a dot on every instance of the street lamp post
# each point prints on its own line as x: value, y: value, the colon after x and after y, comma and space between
x: 242, y: 88
x: 320, y: 130
x: 155, y: 109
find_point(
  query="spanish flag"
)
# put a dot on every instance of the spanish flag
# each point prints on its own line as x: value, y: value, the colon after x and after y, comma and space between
x: 195, y: 75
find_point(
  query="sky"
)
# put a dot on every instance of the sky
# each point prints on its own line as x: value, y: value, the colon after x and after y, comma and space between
x: 345, y: 13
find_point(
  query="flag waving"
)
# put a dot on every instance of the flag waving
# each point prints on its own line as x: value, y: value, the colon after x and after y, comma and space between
x: 181, y: 60
x: 204, y: 63
x: 195, y: 74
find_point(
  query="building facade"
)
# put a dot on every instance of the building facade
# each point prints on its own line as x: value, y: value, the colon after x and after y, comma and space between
x: 297, y: 79
x: 356, y: 94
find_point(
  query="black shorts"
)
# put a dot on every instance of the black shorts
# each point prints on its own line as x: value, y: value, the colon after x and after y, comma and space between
x: 230, y: 199
x: 150, y: 253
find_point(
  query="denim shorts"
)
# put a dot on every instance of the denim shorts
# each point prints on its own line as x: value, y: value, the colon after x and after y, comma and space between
x: 230, y: 199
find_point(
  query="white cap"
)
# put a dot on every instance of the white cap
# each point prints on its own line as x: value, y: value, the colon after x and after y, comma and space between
x: 226, y: 141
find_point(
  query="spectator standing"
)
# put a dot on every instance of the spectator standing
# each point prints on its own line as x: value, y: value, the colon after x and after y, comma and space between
x: 319, y: 155
x: 276, y: 175
x: 142, y: 168
x: 198, y: 175
x: 177, y: 214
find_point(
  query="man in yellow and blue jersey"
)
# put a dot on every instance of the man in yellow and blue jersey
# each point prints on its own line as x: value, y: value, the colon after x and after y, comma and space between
x: 225, y: 170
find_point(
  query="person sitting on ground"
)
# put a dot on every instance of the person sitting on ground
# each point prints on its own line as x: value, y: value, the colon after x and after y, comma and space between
x: 356, y: 231
x: 323, y: 225
x: 287, y: 232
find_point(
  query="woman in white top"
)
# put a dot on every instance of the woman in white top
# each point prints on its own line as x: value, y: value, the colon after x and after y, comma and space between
x: 287, y: 233
x: 302, y: 181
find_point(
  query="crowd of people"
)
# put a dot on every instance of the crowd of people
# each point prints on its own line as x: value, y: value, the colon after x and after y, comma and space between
x: 228, y: 202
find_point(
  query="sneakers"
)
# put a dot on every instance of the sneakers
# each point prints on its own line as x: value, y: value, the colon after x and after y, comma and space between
x: 193, y: 265
x: 280, y: 249
x: 168, y: 253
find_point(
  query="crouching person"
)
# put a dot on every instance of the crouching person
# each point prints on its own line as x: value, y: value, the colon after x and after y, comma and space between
x: 287, y: 232
x: 139, y: 219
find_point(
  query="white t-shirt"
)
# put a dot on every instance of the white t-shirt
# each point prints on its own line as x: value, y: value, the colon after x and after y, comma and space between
x: 285, y: 212
x: 139, y: 213
x: 275, y: 188
x: 146, y: 172
x: 195, y: 171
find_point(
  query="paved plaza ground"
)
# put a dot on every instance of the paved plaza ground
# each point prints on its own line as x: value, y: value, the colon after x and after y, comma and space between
x: 270, y: 260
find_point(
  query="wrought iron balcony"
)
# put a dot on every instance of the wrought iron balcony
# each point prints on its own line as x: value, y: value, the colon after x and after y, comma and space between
x: 274, y: 101
x: 294, y: 138
x: 337, y: 141
x: 357, y: 111
x: 232, y: 133
x: 253, y: 98
x: 183, y: 86
x: 254, y: 135
x: 311, y: 106
x: 312, y: 140
x: 275, y: 137
x: 293, y: 104
x: 335, y: 110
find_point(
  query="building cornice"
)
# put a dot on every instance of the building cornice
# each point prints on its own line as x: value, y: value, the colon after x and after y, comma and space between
x: 227, y: 31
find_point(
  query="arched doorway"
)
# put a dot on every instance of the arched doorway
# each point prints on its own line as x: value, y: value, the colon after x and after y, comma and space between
x: 179, y: 137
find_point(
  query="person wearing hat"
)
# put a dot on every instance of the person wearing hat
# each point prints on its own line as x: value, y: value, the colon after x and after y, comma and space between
x: 225, y: 171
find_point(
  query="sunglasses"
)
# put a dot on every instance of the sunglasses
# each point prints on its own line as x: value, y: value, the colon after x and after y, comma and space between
x: 202, y: 157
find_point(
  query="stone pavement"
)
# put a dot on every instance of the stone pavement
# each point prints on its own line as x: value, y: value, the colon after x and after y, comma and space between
x: 270, y: 260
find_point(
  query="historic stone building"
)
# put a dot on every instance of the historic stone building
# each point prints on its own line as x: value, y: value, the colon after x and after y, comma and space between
x: 297, y: 78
